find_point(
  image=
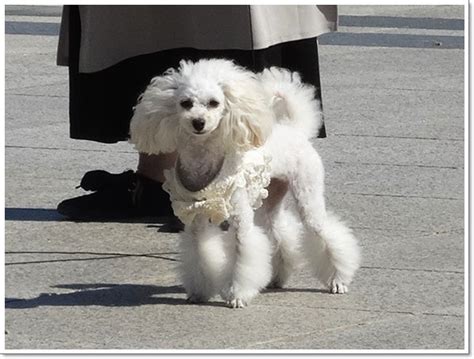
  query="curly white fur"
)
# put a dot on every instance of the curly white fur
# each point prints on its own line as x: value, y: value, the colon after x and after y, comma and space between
x: 210, y: 109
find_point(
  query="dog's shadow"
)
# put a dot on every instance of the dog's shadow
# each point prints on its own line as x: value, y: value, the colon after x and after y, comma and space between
x: 103, y: 294
x: 119, y: 295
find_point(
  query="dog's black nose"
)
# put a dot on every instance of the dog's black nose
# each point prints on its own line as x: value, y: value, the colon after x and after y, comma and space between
x: 198, y: 124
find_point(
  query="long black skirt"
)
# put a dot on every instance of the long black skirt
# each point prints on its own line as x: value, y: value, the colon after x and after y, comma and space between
x: 101, y: 103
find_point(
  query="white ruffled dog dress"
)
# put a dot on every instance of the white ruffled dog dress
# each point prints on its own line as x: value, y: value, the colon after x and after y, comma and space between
x: 250, y: 171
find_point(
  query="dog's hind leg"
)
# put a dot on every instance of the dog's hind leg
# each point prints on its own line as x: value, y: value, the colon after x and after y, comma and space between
x: 330, y: 246
x: 286, y: 231
x: 332, y: 253
x: 204, y: 260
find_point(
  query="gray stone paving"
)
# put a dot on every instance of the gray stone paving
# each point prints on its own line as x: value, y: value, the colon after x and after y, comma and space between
x: 395, y: 171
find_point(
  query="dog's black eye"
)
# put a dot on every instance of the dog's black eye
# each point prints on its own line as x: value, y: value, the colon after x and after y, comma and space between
x: 186, y: 104
x: 213, y: 103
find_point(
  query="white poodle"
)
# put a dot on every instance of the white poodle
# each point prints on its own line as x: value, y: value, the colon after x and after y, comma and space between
x: 244, y: 158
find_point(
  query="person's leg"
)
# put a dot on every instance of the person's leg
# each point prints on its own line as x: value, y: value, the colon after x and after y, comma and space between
x: 303, y: 56
x: 153, y: 166
x: 100, y: 108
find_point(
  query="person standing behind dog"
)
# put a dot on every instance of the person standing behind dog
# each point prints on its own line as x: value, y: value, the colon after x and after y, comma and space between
x: 112, y: 52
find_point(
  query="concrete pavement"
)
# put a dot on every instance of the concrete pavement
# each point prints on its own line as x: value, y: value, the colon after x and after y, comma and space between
x: 395, y: 171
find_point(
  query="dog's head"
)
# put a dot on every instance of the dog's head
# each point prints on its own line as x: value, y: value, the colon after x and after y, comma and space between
x: 208, y: 98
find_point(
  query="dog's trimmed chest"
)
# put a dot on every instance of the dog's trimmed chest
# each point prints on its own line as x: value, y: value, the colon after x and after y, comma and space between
x: 199, y: 176
x: 250, y: 171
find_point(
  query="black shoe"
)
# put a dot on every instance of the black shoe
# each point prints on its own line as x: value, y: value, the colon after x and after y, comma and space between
x: 117, y: 196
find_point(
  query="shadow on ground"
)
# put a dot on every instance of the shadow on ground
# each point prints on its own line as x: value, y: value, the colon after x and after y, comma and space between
x: 32, y: 214
x: 162, y: 224
x: 118, y: 295
x: 102, y: 294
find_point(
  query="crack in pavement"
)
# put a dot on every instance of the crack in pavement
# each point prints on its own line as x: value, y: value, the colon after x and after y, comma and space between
x: 329, y: 162
x: 337, y: 328
x: 395, y: 164
x: 413, y: 269
x: 67, y: 149
x: 424, y: 231
x: 62, y: 82
x: 397, y: 195
x: 33, y: 95
x: 100, y: 256
x: 338, y: 88
x: 399, y: 137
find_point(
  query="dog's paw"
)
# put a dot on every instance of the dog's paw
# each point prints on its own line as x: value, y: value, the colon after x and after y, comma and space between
x: 196, y: 298
x: 338, y: 288
x: 233, y: 299
x: 236, y: 303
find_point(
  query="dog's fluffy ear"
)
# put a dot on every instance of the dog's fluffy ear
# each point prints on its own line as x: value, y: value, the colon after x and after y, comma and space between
x: 248, y: 121
x: 154, y: 127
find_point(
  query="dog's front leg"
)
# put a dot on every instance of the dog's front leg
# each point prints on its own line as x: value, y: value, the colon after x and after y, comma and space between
x: 203, y: 260
x: 252, y: 268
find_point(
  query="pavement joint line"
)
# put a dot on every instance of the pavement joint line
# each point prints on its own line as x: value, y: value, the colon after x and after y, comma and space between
x: 378, y: 311
x: 152, y: 255
x: 381, y: 311
x: 65, y: 96
x: 403, y: 312
x: 83, y: 259
x: 359, y: 228
x: 67, y: 149
x: 398, y: 137
x: 104, y: 256
x: 326, y: 87
x: 333, y: 162
x: 387, y: 30
x: 396, y: 165
x: 387, y: 40
x: 402, y: 22
x: 409, y: 230
x: 364, y: 39
x: 388, y: 88
x: 63, y: 82
x: 397, y: 195
x: 34, y: 95
x: 92, y: 253
x: 413, y: 270
x: 63, y: 260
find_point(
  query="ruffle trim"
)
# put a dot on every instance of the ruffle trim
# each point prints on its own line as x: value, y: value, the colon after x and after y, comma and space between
x: 250, y: 171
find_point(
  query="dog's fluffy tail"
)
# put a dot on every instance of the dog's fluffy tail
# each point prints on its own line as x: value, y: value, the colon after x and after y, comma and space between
x: 293, y: 101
